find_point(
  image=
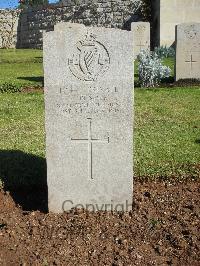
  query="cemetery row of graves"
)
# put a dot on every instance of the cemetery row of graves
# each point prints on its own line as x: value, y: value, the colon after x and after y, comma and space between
x: 87, y: 124
x: 166, y: 118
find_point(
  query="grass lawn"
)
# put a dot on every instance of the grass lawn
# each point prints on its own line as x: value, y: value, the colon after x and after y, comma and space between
x: 21, y: 67
x: 166, y: 136
x: 167, y: 131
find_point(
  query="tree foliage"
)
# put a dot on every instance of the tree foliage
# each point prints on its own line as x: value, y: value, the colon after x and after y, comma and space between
x: 146, y: 9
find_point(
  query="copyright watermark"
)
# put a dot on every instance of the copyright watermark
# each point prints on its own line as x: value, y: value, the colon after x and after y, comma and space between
x: 123, y: 207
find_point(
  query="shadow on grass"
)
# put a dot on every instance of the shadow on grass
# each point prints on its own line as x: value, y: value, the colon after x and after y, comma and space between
x: 33, y: 79
x: 24, y: 176
x: 168, y: 80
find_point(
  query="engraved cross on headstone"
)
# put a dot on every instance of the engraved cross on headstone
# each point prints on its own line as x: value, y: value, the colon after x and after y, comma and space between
x: 90, y: 141
x: 191, y: 61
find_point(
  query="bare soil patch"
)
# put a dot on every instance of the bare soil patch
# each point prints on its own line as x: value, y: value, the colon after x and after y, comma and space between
x: 162, y: 229
x: 28, y: 89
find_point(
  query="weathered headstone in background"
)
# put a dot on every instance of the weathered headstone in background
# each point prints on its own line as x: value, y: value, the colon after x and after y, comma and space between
x: 166, y: 14
x: 141, y: 32
x: 88, y: 103
x: 188, y: 51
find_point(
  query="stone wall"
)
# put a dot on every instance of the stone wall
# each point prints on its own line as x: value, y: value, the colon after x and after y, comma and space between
x: 9, y: 20
x: 174, y: 12
x: 116, y: 14
x: 24, y: 29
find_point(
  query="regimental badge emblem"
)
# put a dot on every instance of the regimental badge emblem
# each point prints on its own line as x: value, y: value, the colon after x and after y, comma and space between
x: 191, y: 32
x: 91, y: 59
x: 140, y: 29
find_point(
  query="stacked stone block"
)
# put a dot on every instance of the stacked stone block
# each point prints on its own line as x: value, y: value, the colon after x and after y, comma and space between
x: 110, y: 14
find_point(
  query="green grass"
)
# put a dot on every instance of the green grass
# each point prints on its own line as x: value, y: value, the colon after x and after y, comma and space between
x: 21, y: 67
x: 167, y: 131
x: 170, y: 63
x: 166, y: 135
x: 22, y: 144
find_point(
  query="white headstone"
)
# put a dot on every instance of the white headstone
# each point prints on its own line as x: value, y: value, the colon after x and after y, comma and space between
x: 188, y: 51
x: 88, y: 104
x: 141, y: 32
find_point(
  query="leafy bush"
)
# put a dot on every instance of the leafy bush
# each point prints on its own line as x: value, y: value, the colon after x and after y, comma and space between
x: 151, y: 70
x: 146, y: 10
x: 9, y: 87
x: 165, y: 52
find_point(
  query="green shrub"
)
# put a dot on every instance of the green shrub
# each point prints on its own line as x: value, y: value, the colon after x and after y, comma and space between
x: 165, y: 52
x: 150, y: 69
